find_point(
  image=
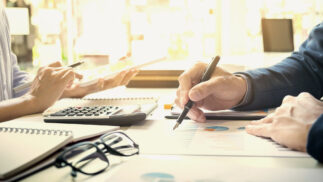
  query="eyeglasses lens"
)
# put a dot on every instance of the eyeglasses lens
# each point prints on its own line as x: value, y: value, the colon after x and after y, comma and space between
x: 121, y: 143
x: 87, y: 159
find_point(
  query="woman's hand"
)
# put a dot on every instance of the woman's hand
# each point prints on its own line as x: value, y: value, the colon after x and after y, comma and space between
x: 49, y: 85
x: 119, y: 79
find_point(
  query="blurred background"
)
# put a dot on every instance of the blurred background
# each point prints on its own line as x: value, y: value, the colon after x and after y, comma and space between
x: 104, y: 31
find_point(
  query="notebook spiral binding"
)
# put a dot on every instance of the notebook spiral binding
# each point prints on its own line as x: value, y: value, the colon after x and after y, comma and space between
x: 35, y: 131
x: 122, y: 98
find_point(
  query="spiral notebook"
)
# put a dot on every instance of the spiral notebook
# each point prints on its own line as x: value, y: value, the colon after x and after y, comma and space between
x: 102, y: 99
x: 23, y: 147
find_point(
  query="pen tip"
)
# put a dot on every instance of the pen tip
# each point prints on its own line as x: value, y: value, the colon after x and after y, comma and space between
x: 176, y: 125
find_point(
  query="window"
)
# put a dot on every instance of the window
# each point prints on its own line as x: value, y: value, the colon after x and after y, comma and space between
x: 105, y: 30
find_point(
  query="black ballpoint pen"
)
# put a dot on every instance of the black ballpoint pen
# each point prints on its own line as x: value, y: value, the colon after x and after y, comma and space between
x: 75, y: 64
x: 206, y: 76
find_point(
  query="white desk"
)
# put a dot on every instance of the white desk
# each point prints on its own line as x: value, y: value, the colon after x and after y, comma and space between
x: 193, y: 168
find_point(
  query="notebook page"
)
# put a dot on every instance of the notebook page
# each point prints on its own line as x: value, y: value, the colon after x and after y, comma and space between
x: 23, y: 147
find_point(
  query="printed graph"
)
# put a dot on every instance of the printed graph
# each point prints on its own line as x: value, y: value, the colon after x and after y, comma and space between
x: 157, y: 176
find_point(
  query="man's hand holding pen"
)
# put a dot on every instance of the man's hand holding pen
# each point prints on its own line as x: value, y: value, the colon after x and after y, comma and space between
x: 223, y: 90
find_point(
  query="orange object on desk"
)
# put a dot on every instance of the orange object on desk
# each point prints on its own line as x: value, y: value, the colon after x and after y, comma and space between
x: 168, y: 106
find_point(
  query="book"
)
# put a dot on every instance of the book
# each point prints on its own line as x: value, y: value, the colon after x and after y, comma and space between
x: 33, y: 123
x: 22, y: 147
x: 33, y: 169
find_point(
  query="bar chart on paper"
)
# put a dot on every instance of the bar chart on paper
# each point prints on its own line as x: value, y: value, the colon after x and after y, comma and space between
x: 210, y: 138
x: 216, y: 128
x: 157, y: 176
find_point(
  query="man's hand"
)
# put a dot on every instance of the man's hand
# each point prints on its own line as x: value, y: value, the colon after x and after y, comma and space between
x: 119, y: 79
x: 224, y: 90
x: 290, y: 123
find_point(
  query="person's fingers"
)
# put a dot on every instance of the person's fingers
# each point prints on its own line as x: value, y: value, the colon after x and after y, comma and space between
x: 285, y: 109
x: 55, y: 64
x: 202, y: 90
x: 288, y: 99
x: 263, y: 130
x: 199, y: 104
x: 100, y: 85
x: 67, y: 75
x: 185, y: 82
x: 190, y: 76
x: 178, y: 103
x: 116, y: 80
x: 113, y: 81
x: 181, y: 98
x: 196, y: 114
x: 305, y: 95
x: 184, y: 98
x: 46, y: 72
x: 78, y: 76
x: 95, y: 87
x: 129, y: 74
x: 267, y: 119
x: 185, y: 85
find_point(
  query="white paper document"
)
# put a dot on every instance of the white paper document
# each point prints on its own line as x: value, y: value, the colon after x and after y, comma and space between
x: 210, y: 138
x: 206, y: 169
x: 106, y: 72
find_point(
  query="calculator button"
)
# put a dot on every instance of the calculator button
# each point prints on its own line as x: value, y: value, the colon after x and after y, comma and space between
x: 58, y: 114
x: 83, y: 112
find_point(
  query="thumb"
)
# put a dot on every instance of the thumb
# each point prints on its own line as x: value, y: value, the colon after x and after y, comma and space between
x: 202, y: 90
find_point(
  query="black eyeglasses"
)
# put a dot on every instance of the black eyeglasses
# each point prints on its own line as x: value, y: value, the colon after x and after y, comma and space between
x: 90, y: 158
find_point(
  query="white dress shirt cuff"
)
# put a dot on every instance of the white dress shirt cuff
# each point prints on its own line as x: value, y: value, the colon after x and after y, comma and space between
x: 247, y: 97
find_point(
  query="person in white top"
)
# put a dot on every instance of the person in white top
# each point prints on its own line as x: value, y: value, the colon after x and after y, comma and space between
x: 51, y: 83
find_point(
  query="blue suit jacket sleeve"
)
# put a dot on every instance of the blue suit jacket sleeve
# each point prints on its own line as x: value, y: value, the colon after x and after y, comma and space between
x: 301, y: 72
x: 315, y: 140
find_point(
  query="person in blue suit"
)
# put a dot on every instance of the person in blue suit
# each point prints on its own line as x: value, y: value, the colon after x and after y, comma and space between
x: 294, y: 86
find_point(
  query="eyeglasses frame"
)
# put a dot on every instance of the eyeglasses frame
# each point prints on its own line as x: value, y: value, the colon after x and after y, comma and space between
x: 61, y: 162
